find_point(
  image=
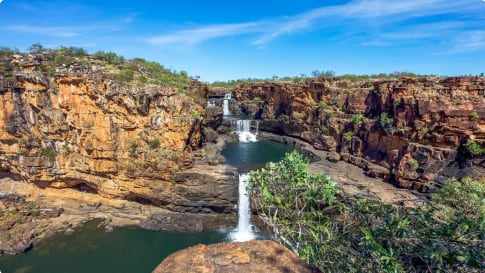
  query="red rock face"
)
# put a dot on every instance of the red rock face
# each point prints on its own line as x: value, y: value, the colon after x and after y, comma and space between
x: 413, y: 127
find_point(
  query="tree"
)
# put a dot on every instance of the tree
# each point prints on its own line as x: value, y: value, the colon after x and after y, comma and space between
x: 36, y: 48
x: 363, y: 235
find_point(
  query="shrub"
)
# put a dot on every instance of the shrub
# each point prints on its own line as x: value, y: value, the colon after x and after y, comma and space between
x: 124, y: 75
x: 348, y: 136
x: 132, y: 148
x: 363, y: 235
x: 357, y: 118
x: 154, y: 143
x: 386, y: 121
x: 23, y: 152
x: 474, y: 149
x: 324, y: 130
x: 48, y: 152
x: 413, y: 164
x: 257, y: 99
x: 63, y: 59
x: 474, y: 115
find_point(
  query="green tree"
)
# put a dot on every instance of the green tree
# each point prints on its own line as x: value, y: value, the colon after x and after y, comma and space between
x: 363, y: 235
x: 36, y: 48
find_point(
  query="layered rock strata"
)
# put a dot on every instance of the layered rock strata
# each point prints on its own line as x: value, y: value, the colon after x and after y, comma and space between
x: 414, y: 130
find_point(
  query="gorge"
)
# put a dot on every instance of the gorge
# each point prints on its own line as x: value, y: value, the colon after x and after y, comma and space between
x: 79, y: 143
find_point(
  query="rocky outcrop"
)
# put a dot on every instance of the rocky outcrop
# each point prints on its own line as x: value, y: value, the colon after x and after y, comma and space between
x: 252, y: 256
x: 21, y: 222
x: 414, y: 131
x: 79, y: 128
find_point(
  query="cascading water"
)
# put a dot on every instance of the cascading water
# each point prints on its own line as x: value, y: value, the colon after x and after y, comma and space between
x: 225, y: 104
x: 243, y: 129
x: 211, y: 103
x: 243, y: 231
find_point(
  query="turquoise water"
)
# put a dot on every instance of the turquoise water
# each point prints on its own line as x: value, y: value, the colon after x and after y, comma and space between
x: 253, y: 155
x: 130, y: 250
x: 124, y: 250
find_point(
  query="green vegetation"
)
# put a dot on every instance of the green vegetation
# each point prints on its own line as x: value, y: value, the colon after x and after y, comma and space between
x: 318, y: 74
x: 413, y: 164
x: 474, y: 149
x: 362, y: 235
x: 136, y: 71
x: 48, y: 152
x: 474, y: 115
x: 23, y: 152
x: 153, y: 143
x: 124, y: 76
x: 257, y: 99
x: 62, y: 59
x: 386, y: 121
x: 196, y: 115
x: 348, y: 136
x: 324, y: 130
x: 357, y: 118
x: 132, y: 148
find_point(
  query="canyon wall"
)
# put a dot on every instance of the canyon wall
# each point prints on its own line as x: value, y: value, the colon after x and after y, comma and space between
x: 416, y: 131
x: 78, y: 128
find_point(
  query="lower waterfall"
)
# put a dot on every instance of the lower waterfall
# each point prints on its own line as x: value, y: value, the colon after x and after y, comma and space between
x: 243, y: 231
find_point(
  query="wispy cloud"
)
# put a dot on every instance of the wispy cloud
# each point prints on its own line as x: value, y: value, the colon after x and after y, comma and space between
x: 384, y: 23
x: 196, y: 35
x: 65, y: 32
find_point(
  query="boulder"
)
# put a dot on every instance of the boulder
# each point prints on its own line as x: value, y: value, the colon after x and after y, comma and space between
x: 253, y: 256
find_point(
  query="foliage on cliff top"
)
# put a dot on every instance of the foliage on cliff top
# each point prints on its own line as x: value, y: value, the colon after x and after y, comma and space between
x: 338, y: 235
x: 65, y: 60
x: 328, y: 74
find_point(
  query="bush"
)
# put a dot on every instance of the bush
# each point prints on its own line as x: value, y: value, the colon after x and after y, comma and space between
x: 386, y: 121
x: 362, y: 235
x: 154, y: 143
x: 63, y: 59
x: 124, y: 75
x: 474, y: 115
x: 357, y: 118
x: 413, y: 164
x: 348, y: 136
x: 474, y: 149
x: 48, y: 152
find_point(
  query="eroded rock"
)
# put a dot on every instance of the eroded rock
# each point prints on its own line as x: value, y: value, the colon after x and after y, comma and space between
x: 253, y: 256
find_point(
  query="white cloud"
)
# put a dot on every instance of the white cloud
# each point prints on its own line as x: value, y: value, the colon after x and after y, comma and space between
x: 379, y: 20
x: 196, y: 35
x: 48, y: 31
x: 1, y: 1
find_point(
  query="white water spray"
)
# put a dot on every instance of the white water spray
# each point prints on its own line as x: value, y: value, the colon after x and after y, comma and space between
x: 225, y: 104
x: 243, y: 129
x: 243, y: 231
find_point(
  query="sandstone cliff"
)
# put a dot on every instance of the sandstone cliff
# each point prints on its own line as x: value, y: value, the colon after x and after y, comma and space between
x: 415, y: 131
x: 109, y: 129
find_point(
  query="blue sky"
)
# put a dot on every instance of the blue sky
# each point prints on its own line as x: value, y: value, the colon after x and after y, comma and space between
x: 221, y: 40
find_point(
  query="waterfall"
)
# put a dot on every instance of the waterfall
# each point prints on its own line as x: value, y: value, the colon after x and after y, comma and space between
x: 243, y: 231
x: 211, y: 103
x: 243, y: 129
x: 225, y: 104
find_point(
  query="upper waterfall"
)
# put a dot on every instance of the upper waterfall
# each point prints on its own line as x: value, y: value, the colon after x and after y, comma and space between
x: 225, y: 104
